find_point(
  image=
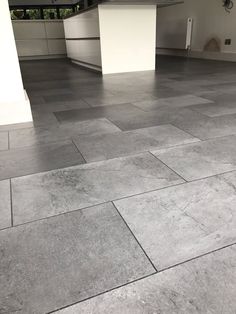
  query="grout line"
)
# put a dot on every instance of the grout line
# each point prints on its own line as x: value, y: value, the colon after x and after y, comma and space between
x: 93, y: 205
x: 143, y: 278
x: 118, y: 199
x: 90, y: 106
x: 8, y: 138
x: 11, y: 203
x: 168, y: 166
x: 187, y: 132
x: 101, y: 293
x: 149, y: 259
x: 77, y: 149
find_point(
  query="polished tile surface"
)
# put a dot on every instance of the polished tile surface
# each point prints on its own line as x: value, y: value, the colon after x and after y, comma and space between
x: 131, y: 139
x: 45, y: 135
x: 179, y: 101
x: 100, y: 147
x: 184, y: 221
x: 5, y: 204
x: 27, y: 160
x: 111, y: 112
x: 58, y: 261
x: 202, y: 159
x: 51, y: 193
x: 205, y: 285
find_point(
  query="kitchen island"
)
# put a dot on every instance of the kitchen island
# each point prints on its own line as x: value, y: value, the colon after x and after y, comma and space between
x: 114, y: 36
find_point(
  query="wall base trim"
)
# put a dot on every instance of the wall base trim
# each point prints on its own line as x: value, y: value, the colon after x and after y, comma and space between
x: 28, y: 58
x: 87, y: 65
x: 16, y: 112
x: 221, y: 56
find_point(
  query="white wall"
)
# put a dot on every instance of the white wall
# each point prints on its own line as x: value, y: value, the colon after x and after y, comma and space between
x: 14, y: 106
x: 128, y: 37
x: 210, y: 20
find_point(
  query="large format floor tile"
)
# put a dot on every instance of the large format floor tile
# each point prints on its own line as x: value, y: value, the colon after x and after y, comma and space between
x: 5, y: 204
x: 204, y: 127
x: 100, y: 147
x: 94, y: 126
x: 51, y: 193
x: 55, y: 262
x: 203, y: 159
x: 175, y: 102
x: 45, y: 135
x: 3, y: 141
x: 179, y: 223
x: 36, y: 136
x: 215, y: 110
x: 119, y: 98
x: 116, y: 111
x: 19, y: 162
x: 204, y: 285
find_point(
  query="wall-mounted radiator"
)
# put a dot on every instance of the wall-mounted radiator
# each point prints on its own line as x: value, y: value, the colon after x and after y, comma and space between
x: 174, y: 34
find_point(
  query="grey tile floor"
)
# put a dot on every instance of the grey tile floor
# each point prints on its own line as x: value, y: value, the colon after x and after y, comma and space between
x: 120, y: 197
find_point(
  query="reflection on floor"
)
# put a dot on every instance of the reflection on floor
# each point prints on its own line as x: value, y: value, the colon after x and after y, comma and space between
x: 120, y: 197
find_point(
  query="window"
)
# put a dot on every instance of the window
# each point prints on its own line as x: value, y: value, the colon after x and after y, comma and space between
x: 65, y: 12
x: 33, y: 14
x: 50, y: 14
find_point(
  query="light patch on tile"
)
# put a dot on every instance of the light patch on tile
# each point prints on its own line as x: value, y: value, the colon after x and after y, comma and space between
x: 179, y: 223
x: 203, y: 159
x: 51, y: 193
x: 205, y: 285
x: 101, y: 147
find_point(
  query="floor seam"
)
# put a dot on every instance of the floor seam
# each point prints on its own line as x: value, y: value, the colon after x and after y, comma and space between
x: 11, y: 203
x: 143, y: 278
x: 168, y: 167
x: 149, y: 259
x: 78, y: 151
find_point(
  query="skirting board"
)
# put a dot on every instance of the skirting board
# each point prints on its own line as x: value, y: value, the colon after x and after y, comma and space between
x: 28, y: 58
x: 220, y: 56
x: 87, y: 65
x: 16, y: 112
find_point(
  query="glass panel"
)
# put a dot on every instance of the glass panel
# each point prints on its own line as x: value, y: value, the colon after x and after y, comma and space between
x: 33, y: 14
x: 65, y: 12
x: 50, y: 14
x: 17, y: 14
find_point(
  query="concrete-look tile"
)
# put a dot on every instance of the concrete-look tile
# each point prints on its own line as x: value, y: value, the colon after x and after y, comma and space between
x: 95, y: 126
x: 203, y: 159
x: 185, y: 221
x: 204, y: 285
x: 115, y: 111
x: 204, y: 127
x: 119, y: 98
x: 51, y: 193
x: 60, y: 98
x: 36, y: 136
x: 5, y: 204
x: 19, y: 162
x: 3, y: 141
x: 48, y: 134
x: 215, y: 110
x: 100, y: 147
x: 175, y: 102
x: 44, y: 119
x: 55, y: 262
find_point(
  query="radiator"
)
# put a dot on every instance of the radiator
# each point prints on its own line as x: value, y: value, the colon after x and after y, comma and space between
x: 174, y: 34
